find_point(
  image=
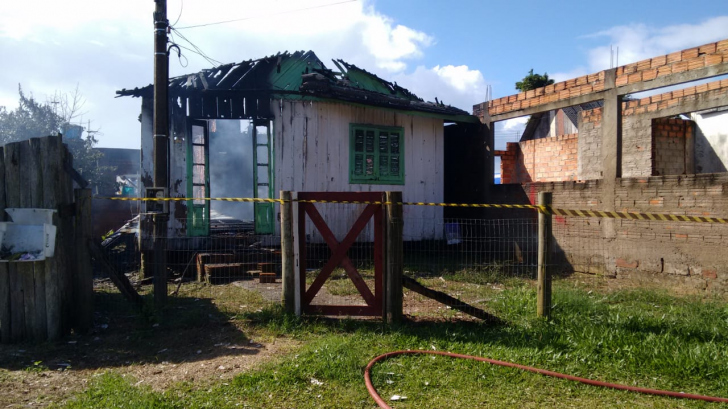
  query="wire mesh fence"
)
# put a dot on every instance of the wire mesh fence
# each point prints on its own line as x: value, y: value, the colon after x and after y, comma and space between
x: 467, y: 261
x: 231, y: 259
x: 351, y: 282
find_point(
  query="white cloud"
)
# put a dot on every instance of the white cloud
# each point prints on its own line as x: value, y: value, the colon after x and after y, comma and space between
x: 390, y: 44
x: 638, y: 41
x: 458, y: 86
x: 563, y: 76
x: 515, y: 123
x: 106, y: 46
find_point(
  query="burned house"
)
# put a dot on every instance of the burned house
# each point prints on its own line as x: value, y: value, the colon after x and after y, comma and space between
x: 287, y: 122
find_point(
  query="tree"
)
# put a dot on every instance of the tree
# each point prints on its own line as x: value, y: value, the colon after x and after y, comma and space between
x: 33, y: 119
x: 533, y: 81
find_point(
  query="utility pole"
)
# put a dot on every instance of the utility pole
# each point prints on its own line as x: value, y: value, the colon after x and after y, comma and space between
x: 161, y: 148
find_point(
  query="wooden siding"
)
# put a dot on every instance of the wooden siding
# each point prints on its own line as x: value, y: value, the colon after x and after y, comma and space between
x: 311, y: 148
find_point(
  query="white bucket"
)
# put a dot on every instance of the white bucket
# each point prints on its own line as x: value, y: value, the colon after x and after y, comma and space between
x: 31, y: 216
x: 37, y: 239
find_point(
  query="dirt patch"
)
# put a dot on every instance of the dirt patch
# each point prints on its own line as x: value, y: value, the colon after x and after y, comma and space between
x: 41, y: 375
x: 201, y: 337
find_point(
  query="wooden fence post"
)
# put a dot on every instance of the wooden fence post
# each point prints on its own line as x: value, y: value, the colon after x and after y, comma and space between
x: 83, y: 311
x: 299, y: 255
x: 4, y: 273
x: 52, y: 172
x: 393, y: 256
x: 543, y: 307
x: 289, y: 271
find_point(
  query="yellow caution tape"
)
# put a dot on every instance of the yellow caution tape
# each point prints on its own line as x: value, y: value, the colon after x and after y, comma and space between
x: 542, y: 209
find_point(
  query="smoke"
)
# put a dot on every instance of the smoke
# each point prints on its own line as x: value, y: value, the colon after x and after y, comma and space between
x: 231, y: 167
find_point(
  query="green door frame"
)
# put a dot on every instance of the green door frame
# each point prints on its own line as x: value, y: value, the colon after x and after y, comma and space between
x: 263, y: 178
x: 198, y: 178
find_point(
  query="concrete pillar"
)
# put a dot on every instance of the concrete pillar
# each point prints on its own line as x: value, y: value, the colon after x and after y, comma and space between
x: 611, y: 148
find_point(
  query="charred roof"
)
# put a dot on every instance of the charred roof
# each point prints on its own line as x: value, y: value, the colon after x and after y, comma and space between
x: 295, y: 76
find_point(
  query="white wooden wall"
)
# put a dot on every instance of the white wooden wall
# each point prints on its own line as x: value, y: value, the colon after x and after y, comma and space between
x: 311, y: 147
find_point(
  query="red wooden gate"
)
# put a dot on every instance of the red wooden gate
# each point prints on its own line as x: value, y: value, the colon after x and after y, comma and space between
x: 339, y: 252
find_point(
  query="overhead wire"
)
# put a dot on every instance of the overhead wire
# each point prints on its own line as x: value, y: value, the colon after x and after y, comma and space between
x: 195, y: 49
x: 181, y: 7
x: 266, y: 15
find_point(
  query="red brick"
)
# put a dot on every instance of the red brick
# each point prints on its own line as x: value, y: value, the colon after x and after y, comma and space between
x: 649, y: 75
x: 680, y: 66
x: 712, y: 274
x: 664, y: 70
x: 689, y: 53
x: 633, y: 78
x: 674, y: 57
x: 658, y: 61
x: 721, y: 45
x: 707, y: 48
x: 696, y: 63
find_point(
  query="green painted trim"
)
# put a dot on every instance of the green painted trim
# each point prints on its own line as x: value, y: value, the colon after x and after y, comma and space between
x: 261, y: 226
x: 191, y: 207
x: 469, y: 119
x: 376, y: 179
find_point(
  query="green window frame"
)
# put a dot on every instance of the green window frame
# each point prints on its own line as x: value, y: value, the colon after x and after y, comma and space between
x: 376, y: 154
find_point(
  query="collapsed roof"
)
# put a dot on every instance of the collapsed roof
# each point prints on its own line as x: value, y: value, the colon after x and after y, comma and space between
x: 297, y: 76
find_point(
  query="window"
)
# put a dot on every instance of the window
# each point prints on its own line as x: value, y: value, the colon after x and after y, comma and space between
x: 376, y: 155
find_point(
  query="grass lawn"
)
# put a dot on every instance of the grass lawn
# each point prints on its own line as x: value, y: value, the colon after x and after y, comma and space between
x: 636, y: 337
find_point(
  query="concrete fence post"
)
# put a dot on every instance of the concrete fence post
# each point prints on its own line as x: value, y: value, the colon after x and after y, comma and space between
x: 543, y: 300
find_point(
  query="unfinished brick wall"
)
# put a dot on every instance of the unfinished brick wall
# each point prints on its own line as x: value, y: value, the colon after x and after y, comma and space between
x: 680, y: 254
x: 673, y: 146
x: 537, y: 161
x: 590, y: 145
x: 540, y: 160
x: 642, y: 71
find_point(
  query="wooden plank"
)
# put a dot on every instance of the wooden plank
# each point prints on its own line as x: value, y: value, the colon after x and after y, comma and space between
x: 27, y: 279
x: 4, y: 277
x: 12, y: 199
x: 301, y: 238
x: 345, y: 310
x: 50, y: 169
x: 4, y: 304
x: 17, y: 308
x: 287, y: 258
x: 83, y: 302
x: 118, y: 278
x: 2, y: 184
x: 40, y: 328
x: 543, y: 296
x: 33, y: 167
x: 25, y: 273
x: 454, y: 303
x: 12, y: 174
x: 394, y: 257
x: 25, y: 157
x: 64, y: 246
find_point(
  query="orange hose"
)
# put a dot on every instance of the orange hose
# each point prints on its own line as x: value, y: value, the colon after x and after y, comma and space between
x: 383, y: 404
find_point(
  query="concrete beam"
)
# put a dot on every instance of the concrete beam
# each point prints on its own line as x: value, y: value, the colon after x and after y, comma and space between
x: 581, y: 99
x: 667, y: 80
x: 675, y: 79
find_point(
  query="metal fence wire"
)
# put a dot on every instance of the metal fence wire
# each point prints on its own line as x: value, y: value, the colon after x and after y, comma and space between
x: 468, y: 260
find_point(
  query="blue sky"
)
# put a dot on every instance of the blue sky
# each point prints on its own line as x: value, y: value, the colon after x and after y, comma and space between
x: 451, y: 50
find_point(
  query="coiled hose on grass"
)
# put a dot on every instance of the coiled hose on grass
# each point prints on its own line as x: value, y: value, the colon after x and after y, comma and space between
x: 383, y: 404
